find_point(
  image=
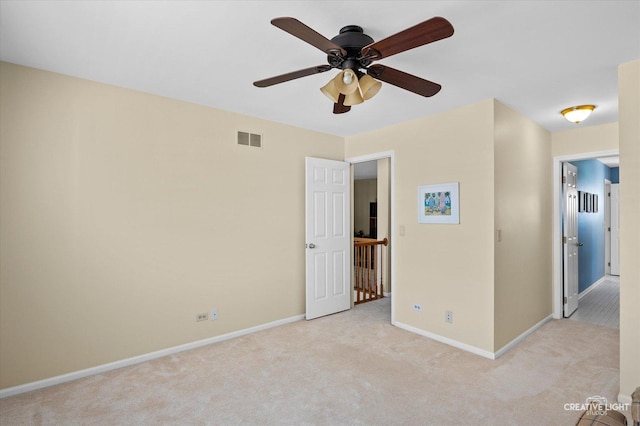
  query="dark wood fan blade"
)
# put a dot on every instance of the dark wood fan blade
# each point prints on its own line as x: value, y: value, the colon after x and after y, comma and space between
x: 340, y: 107
x: 304, y: 33
x: 403, y: 80
x: 291, y: 76
x: 426, y: 32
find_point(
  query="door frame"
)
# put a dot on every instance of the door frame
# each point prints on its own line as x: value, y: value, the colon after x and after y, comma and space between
x: 392, y: 214
x: 556, y: 239
x: 615, y: 203
x: 607, y: 227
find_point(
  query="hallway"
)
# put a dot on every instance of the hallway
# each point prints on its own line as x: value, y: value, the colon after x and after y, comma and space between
x: 601, y: 306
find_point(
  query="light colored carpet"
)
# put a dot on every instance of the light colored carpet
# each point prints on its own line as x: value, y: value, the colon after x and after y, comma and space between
x: 351, y: 368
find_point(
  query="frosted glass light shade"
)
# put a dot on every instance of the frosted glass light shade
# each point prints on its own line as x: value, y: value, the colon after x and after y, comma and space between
x: 369, y: 86
x: 354, y: 98
x: 577, y: 114
x: 331, y: 91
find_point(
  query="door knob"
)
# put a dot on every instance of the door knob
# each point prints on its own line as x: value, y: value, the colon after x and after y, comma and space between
x: 579, y: 244
x: 311, y: 246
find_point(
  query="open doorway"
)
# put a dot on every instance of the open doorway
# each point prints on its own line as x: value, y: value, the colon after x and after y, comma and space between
x: 598, y: 288
x: 372, y: 210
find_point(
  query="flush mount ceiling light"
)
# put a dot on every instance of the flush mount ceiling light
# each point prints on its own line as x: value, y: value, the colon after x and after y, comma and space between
x: 578, y: 113
x: 352, y: 51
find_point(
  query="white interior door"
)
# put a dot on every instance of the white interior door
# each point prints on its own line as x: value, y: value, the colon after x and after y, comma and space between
x: 570, y: 238
x: 607, y: 227
x: 615, y: 229
x: 328, y: 237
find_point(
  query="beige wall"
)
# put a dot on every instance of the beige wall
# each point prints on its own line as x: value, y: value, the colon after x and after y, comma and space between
x: 523, y: 215
x: 365, y: 191
x: 125, y: 214
x: 579, y: 140
x: 443, y: 267
x: 502, y: 161
x: 629, y: 111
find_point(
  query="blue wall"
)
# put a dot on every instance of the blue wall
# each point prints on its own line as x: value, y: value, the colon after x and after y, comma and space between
x: 615, y: 174
x: 591, y: 176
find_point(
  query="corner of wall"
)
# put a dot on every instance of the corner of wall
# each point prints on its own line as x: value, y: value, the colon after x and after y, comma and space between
x: 629, y: 127
x: 430, y: 150
x: 522, y: 287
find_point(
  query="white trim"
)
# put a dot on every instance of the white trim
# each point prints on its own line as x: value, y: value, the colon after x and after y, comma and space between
x: 446, y: 340
x: 391, y: 155
x: 591, y: 287
x: 371, y: 157
x: 607, y: 224
x: 27, y: 387
x: 623, y: 398
x: 523, y: 336
x: 556, y: 240
x: 473, y: 349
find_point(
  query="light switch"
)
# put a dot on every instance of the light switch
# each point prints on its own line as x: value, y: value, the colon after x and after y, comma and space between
x: 402, y: 230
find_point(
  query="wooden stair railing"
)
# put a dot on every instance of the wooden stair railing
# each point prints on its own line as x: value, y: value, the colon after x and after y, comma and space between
x: 368, y: 269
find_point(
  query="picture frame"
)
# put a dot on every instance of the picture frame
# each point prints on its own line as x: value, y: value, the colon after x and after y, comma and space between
x: 594, y: 203
x: 439, y: 203
x: 581, y: 203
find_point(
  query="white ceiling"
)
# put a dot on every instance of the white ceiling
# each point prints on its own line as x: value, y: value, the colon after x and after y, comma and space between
x: 536, y: 57
x: 613, y: 161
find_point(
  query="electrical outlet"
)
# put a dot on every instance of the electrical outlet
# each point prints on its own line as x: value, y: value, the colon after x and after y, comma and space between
x: 448, y: 317
x: 214, y: 314
x: 417, y: 307
x: 203, y: 316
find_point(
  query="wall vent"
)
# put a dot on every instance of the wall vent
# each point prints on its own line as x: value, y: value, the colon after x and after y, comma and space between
x: 250, y: 139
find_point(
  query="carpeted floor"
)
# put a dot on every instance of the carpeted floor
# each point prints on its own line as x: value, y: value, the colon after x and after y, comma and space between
x: 351, y: 368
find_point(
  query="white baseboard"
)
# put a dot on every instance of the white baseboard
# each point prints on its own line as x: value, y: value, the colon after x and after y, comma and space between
x: 27, y: 387
x: 623, y: 398
x: 446, y: 340
x: 470, y: 348
x: 386, y: 294
x: 591, y: 287
x: 521, y: 337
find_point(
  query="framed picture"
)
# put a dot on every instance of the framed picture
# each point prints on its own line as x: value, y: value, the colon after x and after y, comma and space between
x: 594, y: 203
x: 580, y: 201
x: 439, y: 203
x: 587, y: 202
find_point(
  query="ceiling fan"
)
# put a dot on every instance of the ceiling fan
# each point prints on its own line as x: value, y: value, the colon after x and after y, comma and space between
x: 353, y: 52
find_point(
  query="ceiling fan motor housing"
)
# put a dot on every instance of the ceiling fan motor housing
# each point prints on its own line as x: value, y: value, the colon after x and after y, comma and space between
x: 352, y: 39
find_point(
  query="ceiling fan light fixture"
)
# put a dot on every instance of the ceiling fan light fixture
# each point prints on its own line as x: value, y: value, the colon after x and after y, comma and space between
x: 346, y: 82
x: 578, y: 113
x: 353, y: 51
x: 369, y: 86
x: 354, y: 98
x: 331, y: 91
